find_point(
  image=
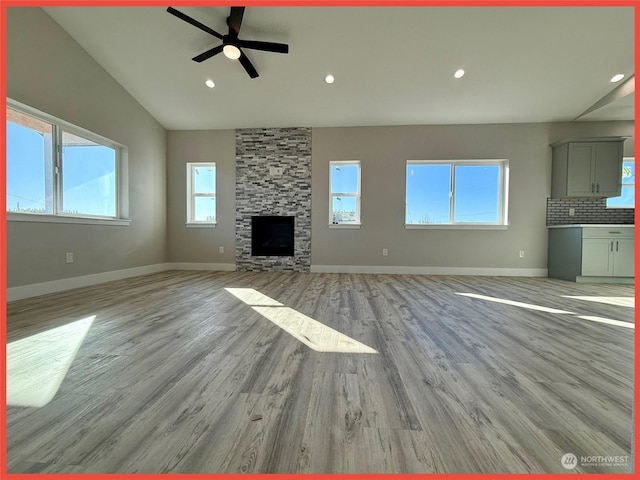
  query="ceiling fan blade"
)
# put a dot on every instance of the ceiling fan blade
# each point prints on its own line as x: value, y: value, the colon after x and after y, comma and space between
x: 193, y: 22
x: 266, y: 46
x: 253, y: 73
x: 234, y: 20
x: 208, y: 54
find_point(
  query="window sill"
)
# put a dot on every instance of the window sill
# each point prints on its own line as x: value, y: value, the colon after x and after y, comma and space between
x: 345, y: 226
x: 37, y: 218
x: 456, y: 227
x: 200, y: 225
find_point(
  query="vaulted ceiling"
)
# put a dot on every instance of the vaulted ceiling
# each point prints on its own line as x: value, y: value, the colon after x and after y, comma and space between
x: 392, y: 65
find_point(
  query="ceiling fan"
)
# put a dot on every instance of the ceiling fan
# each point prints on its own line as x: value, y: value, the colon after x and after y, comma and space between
x: 231, y: 44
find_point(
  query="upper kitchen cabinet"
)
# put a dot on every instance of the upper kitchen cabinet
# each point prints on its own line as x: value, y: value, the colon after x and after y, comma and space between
x: 590, y: 167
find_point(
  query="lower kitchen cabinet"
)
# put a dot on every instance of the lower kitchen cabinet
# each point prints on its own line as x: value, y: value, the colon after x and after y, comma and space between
x: 586, y: 253
x: 624, y: 258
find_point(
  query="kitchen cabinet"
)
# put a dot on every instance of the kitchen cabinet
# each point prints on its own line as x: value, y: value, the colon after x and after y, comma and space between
x: 624, y: 258
x: 607, y: 252
x: 584, y: 253
x: 587, y: 167
x: 595, y: 256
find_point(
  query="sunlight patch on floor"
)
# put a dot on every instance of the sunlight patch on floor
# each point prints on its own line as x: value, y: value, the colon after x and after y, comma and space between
x: 618, y: 301
x: 253, y: 297
x: 529, y: 306
x: 37, y: 365
x: 607, y: 321
x: 312, y: 333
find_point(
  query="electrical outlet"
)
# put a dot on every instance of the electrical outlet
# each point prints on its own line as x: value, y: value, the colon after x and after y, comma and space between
x: 385, y: 252
x: 69, y: 257
x: 521, y: 254
x: 572, y: 212
x: 221, y: 249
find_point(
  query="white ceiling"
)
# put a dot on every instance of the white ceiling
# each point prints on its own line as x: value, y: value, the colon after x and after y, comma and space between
x: 393, y: 65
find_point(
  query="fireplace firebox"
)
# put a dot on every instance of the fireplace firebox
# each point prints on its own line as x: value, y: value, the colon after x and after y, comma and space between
x: 272, y: 235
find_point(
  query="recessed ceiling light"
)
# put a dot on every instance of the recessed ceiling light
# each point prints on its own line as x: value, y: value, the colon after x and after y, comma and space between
x: 617, y: 77
x: 459, y: 73
x: 329, y: 78
x: 209, y: 83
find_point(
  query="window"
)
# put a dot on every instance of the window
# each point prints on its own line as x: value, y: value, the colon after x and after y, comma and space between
x: 54, y: 168
x: 29, y: 164
x: 344, y: 193
x: 201, y: 193
x: 627, y: 198
x: 459, y: 192
x: 88, y: 177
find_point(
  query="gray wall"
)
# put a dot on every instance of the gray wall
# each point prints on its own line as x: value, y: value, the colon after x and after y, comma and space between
x: 383, y: 152
x: 48, y: 70
x: 201, y: 245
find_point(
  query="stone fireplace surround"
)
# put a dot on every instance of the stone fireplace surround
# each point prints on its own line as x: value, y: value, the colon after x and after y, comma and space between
x: 262, y: 190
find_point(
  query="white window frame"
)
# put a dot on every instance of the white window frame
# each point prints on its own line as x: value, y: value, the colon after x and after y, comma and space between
x: 628, y: 185
x: 121, y: 173
x: 357, y: 222
x: 503, y: 195
x: 191, y: 195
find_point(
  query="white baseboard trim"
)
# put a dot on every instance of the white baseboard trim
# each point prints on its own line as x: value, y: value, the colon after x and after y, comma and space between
x: 407, y: 270
x: 218, y: 267
x: 44, y: 288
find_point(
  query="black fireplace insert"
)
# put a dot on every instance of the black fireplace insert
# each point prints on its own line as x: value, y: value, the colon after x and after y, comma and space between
x: 272, y: 235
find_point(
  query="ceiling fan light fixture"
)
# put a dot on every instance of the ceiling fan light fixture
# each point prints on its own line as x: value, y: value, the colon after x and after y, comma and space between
x: 617, y: 77
x: 231, y: 51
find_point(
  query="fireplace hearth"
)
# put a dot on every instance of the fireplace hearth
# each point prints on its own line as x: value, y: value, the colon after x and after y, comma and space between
x: 272, y: 236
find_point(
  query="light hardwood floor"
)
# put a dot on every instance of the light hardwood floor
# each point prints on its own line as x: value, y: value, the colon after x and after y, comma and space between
x: 175, y: 369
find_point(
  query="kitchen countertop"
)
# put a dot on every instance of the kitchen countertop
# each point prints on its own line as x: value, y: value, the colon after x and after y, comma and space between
x: 603, y: 225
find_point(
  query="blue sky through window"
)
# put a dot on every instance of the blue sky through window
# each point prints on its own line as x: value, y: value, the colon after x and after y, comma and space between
x: 26, y: 160
x: 88, y: 179
x: 428, y: 194
x: 627, y: 199
x: 204, y: 179
x: 344, y: 179
x: 476, y: 191
x: 476, y: 196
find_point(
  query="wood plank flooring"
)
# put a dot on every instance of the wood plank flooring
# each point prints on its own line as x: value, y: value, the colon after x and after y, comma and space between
x: 174, y: 367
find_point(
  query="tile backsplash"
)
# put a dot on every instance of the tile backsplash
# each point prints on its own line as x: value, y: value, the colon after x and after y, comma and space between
x: 587, y: 210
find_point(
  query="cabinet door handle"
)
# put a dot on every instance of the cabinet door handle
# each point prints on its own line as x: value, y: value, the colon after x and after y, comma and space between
x: 612, y: 245
x: 593, y: 188
x: 616, y: 245
x: 598, y: 187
